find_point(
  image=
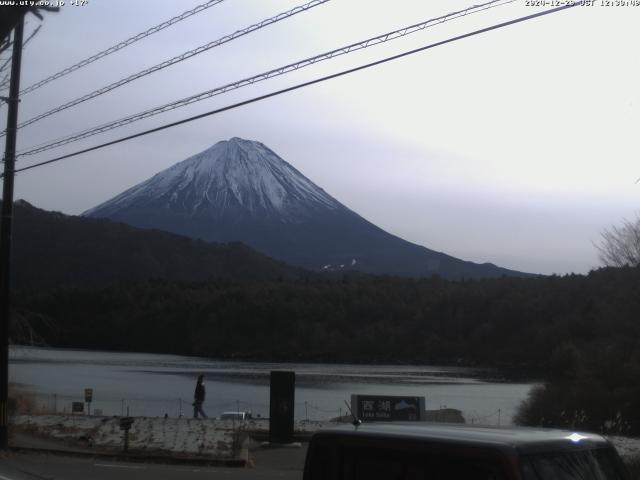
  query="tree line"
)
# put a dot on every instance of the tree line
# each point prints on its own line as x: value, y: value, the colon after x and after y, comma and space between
x: 501, y: 322
x: 579, y: 333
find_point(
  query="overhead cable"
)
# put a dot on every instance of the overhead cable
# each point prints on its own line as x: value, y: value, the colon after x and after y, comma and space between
x: 121, y: 45
x: 174, y: 60
x: 300, y: 85
x: 4, y: 82
x: 395, y: 34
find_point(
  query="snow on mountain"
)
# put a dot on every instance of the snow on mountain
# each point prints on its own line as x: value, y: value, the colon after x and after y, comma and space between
x: 231, y: 175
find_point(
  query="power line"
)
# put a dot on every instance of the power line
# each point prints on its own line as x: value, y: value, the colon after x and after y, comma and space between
x: 263, y: 76
x: 4, y: 65
x: 121, y: 45
x: 31, y: 35
x: 4, y: 82
x: 301, y: 85
x: 174, y: 60
x: 4, y: 46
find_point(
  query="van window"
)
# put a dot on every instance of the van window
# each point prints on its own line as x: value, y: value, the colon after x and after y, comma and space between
x: 374, y: 463
x: 597, y: 464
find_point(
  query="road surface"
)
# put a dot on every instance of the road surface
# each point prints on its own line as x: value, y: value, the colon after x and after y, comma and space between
x: 269, y: 464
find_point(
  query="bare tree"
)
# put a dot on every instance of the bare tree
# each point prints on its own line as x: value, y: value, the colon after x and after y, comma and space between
x: 620, y: 246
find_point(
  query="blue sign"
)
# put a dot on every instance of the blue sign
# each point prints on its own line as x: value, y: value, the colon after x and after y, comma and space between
x: 387, y: 408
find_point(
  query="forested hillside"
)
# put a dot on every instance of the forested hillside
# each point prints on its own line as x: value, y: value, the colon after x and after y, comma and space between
x: 52, y: 250
x: 512, y: 322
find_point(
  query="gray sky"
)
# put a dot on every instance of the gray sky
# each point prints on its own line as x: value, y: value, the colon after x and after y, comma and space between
x: 516, y: 147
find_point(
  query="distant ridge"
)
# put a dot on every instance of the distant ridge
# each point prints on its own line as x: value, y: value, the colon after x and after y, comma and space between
x: 56, y: 250
x: 240, y: 190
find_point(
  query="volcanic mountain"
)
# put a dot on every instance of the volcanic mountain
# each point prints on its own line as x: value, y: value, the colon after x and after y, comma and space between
x: 240, y: 190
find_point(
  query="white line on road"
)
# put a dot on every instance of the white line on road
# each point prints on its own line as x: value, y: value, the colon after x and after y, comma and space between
x: 109, y: 465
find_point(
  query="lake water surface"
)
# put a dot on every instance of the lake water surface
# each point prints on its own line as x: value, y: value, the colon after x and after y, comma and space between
x: 155, y: 385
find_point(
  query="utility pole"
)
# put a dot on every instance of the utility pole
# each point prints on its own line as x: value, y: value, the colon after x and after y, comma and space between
x: 5, y: 228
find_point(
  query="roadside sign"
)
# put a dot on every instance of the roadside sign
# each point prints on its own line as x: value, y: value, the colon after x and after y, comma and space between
x: 88, y: 395
x: 77, y: 407
x: 126, y: 422
x: 388, y: 408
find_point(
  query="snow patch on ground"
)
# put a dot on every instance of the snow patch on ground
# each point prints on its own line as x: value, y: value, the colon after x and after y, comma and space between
x: 215, y: 439
x: 183, y: 437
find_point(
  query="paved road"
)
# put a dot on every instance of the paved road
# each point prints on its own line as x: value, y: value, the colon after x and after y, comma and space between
x: 269, y: 464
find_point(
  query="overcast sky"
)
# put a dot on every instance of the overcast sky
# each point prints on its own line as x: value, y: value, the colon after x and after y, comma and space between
x: 516, y: 147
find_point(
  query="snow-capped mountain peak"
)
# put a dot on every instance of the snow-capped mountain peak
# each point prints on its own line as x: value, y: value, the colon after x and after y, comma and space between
x: 231, y: 177
x: 240, y: 190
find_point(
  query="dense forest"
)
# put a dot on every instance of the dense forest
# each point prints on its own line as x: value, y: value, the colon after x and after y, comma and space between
x: 501, y: 322
x: 53, y: 250
x: 580, y: 333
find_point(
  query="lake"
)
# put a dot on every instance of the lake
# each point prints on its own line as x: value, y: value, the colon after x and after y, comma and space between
x: 154, y: 385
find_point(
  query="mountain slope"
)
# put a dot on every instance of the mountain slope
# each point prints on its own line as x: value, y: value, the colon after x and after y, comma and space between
x: 55, y: 250
x: 241, y: 190
x: 232, y: 179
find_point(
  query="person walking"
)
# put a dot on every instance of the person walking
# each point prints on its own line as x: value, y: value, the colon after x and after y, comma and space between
x: 198, y: 398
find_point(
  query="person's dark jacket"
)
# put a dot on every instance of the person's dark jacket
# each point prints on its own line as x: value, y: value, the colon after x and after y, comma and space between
x: 199, y: 393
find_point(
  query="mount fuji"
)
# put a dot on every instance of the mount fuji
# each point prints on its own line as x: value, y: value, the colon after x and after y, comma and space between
x: 240, y: 190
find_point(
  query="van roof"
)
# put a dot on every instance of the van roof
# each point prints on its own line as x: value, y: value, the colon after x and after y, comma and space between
x: 503, y: 438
